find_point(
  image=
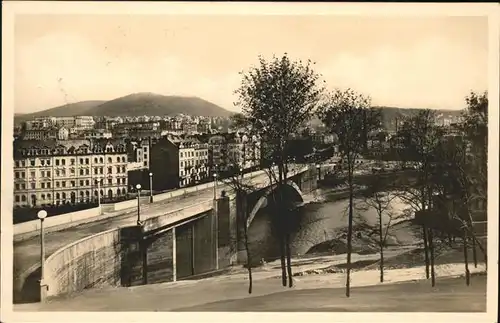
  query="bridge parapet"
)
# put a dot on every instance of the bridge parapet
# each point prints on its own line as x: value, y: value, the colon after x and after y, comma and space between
x: 161, y: 221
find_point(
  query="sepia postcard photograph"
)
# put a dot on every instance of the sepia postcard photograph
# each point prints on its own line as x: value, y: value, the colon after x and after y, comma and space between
x: 212, y: 161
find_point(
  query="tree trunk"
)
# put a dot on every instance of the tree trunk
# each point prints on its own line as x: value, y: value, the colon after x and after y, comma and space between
x: 424, y: 230
x: 426, y: 251
x: 381, y: 248
x: 466, y: 260
x: 288, y: 259
x: 281, y: 225
x: 474, y: 252
x: 282, y: 256
x: 249, y: 258
x: 482, y: 250
x: 431, y: 249
x: 349, y: 234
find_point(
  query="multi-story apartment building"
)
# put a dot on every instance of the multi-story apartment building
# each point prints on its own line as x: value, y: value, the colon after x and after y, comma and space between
x: 233, y: 150
x: 177, y: 161
x: 59, y: 172
x: 137, y: 129
x: 68, y: 122
x: 107, y: 122
x: 84, y: 122
x: 171, y: 124
x: 189, y: 128
x: 97, y: 134
x: 217, y: 150
x: 50, y: 133
x: 40, y: 134
x: 138, y: 151
x: 204, y: 126
x: 40, y: 123
x: 193, y: 161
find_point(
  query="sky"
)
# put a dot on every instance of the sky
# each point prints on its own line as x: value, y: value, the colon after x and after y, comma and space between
x: 409, y: 62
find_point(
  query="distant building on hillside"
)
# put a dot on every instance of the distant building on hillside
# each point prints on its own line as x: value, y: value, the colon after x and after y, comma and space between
x: 189, y: 128
x: 50, y: 133
x: 204, y: 126
x: 97, y: 134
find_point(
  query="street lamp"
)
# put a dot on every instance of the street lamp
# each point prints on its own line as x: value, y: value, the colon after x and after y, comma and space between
x: 150, y: 187
x: 318, y: 167
x: 42, y: 214
x: 215, y: 185
x: 138, y: 187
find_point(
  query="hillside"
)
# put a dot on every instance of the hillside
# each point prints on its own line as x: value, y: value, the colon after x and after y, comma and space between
x: 391, y: 114
x: 71, y: 109
x: 138, y: 104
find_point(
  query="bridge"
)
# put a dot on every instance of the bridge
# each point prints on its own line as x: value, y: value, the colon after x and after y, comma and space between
x: 196, y: 235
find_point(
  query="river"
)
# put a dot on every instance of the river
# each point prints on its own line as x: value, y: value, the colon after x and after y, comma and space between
x: 317, y: 220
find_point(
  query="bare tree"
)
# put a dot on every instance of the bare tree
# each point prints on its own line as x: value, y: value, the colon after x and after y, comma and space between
x: 348, y: 115
x: 419, y: 136
x: 379, y: 197
x: 276, y: 98
x: 475, y: 128
x: 242, y: 186
x: 454, y: 181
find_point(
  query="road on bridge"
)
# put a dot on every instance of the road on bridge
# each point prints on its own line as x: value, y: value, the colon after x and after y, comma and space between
x: 27, y: 252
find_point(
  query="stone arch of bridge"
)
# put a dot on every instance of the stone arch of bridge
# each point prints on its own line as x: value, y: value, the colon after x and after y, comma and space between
x: 262, y: 202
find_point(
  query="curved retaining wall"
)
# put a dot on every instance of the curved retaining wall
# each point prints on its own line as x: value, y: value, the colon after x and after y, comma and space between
x: 87, y: 263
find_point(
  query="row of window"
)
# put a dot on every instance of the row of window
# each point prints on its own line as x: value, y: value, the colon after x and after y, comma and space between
x: 72, y: 150
x: 193, y: 154
x: 59, y: 184
x: 63, y: 196
x: 191, y: 171
x: 193, y: 162
x: 62, y: 162
x: 62, y: 172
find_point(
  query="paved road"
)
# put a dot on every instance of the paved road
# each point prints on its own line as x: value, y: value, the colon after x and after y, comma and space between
x: 27, y: 252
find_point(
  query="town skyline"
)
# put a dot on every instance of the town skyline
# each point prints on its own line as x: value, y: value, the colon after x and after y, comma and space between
x: 190, y: 56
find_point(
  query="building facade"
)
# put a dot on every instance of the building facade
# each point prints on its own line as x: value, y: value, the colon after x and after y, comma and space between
x: 177, y: 161
x: 97, y: 134
x: 230, y: 150
x: 84, y: 122
x: 73, y: 171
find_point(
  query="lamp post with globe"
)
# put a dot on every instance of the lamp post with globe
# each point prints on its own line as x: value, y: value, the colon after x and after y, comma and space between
x: 150, y: 187
x: 138, y: 187
x: 215, y: 185
x: 42, y: 214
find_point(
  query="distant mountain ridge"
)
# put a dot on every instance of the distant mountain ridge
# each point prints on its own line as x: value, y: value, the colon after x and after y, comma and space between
x: 390, y: 115
x: 70, y: 109
x: 136, y: 104
x: 145, y: 103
